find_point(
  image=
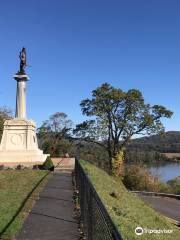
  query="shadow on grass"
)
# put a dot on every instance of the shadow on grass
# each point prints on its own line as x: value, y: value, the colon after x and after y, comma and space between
x: 22, y: 205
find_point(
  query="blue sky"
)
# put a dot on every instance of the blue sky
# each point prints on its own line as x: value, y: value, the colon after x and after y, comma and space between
x: 75, y: 46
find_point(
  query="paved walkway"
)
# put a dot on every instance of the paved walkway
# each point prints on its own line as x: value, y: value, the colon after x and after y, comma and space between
x: 52, y: 217
x: 169, y: 207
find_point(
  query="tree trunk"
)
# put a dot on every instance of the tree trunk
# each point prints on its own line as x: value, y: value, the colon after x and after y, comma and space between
x: 110, y: 162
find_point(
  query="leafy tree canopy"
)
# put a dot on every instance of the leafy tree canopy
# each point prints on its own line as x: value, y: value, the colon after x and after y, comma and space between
x: 57, y: 122
x: 116, y: 115
x: 54, y: 134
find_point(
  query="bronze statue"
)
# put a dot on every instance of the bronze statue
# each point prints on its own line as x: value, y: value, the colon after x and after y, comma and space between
x: 22, y: 57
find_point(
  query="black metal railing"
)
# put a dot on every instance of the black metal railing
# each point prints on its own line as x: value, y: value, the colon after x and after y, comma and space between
x: 97, y: 224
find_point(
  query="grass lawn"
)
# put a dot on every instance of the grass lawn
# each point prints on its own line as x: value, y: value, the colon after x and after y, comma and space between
x: 128, y: 211
x: 16, y: 187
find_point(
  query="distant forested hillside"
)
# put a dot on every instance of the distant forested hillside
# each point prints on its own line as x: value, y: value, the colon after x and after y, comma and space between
x: 168, y: 142
x: 140, y: 150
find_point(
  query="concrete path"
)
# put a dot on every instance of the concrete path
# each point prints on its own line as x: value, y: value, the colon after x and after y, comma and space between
x: 52, y: 217
x: 169, y: 207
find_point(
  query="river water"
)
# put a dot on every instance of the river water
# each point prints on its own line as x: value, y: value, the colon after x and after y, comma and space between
x: 167, y: 171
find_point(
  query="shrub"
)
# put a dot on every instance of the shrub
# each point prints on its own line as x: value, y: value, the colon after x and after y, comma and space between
x: 175, y: 185
x: 138, y: 178
x: 1, y: 167
x: 174, y: 182
x: 48, y: 164
x: 19, y: 167
x: 118, y: 164
x: 35, y: 167
x: 165, y: 188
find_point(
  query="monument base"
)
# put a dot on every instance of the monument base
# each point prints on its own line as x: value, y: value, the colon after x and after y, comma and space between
x: 19, y: 143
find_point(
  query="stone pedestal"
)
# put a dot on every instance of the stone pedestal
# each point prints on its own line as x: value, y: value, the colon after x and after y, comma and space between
x: 19, y: 142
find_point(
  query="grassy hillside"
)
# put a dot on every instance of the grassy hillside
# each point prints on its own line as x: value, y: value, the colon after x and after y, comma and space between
x: 15, y: 187
x: 128, y: 211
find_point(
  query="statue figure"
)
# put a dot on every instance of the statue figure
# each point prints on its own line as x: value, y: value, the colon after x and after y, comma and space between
x: 22, y: 57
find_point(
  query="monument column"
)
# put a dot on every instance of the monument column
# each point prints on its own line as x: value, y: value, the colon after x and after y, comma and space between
x: 21, y: 96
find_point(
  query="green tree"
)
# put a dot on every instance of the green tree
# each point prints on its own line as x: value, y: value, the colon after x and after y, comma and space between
x: 5, y: 113
x: 54, y: 134
x: 116, y: 116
